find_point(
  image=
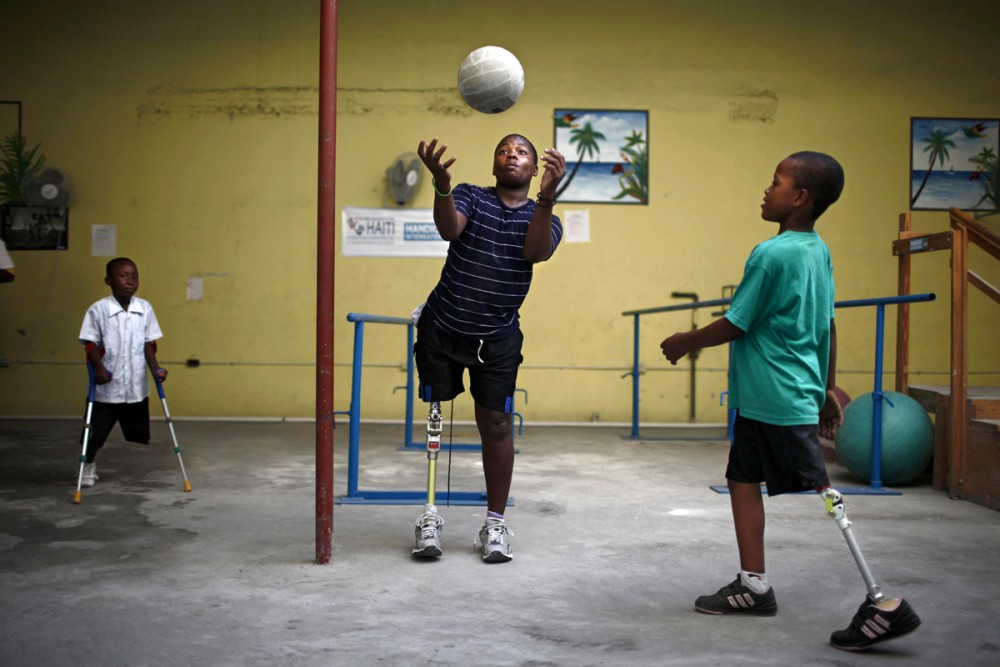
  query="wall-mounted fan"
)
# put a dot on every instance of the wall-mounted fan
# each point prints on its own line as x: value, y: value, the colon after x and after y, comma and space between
x: 51, y: 186
x: 404, y: 177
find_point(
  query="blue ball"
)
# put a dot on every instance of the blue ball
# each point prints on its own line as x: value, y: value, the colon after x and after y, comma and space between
x: 907, y: 438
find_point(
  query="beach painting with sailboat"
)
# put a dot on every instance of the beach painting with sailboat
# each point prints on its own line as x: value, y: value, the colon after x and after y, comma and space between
x: 953, y: 163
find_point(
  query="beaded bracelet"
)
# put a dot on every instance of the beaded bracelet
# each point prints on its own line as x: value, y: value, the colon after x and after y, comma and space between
x: 438, y: 192
x: 544, y: 202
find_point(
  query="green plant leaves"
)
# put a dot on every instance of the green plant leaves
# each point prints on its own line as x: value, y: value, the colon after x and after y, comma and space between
x: 17, y: 165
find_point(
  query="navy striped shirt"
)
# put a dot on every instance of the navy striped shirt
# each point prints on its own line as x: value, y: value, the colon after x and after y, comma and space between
x: 485, y: 276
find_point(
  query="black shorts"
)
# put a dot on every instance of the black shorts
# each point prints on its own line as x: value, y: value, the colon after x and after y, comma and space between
x: 442, y: 358
x: 788, y: 458
x: 133, y: 417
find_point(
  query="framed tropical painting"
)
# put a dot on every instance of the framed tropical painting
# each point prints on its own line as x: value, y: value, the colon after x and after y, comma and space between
x: 953, y: 164
x: 607, y: 155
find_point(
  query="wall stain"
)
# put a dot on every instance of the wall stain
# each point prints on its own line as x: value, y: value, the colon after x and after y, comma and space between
x: 289, y: 101
x: 449, y: 106
x: 755, y: 105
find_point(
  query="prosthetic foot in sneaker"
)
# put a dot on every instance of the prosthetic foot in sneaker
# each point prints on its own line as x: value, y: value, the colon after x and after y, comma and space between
x: 876, y: 623
x: 427, y: 536
x: 737, y: 598
x: 494, y: 538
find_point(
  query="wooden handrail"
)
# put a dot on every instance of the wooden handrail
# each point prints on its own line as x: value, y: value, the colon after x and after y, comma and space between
x: 984, y: 286
x: 980, y: 234
x: 964, y: 229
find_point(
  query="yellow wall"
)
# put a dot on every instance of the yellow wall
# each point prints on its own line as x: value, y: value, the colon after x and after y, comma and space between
x: 192, y: 126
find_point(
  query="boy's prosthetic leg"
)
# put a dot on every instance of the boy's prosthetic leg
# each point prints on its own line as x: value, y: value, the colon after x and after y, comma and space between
x: 427, y: 534
x: 835, y: 509
x: 878, y: 619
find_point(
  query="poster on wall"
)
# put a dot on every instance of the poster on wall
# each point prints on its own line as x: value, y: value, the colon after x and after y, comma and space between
x: 387, y: 232
x: 953, y: 164
x: 607, y: 155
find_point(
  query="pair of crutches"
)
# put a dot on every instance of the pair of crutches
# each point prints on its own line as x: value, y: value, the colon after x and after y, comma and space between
x: 87, y: 429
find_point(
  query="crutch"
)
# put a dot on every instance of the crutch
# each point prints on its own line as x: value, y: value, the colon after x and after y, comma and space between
x: 170, y: 424
x: 86, y: 432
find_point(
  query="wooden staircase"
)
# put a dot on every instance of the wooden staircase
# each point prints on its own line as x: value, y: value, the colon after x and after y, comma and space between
x: 980, y: 482
x: 966, y: 419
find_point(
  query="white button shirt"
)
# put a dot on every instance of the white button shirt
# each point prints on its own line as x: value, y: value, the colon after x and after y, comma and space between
x: 124, y: 336
x: 6, y: 263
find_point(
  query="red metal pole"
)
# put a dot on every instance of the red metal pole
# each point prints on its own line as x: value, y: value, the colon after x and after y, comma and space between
x: 324, y: 275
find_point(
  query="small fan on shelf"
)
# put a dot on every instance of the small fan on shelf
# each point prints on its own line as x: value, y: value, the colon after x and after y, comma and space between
x: 404, y: 177
x: 50, y: 186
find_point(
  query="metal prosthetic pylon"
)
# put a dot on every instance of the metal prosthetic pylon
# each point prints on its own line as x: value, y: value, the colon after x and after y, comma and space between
x: 428, y: 529
x: 834, y: 502
x: 433, y: 448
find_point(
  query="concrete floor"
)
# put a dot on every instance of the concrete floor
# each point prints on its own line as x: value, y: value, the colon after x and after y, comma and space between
x: 613, y: 541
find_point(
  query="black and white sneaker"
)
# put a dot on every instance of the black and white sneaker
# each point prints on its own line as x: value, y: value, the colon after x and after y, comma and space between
x: 874, y: 624
x: 738, y: 599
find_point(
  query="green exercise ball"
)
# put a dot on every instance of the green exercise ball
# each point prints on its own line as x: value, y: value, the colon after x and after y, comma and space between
x: 907, y: 438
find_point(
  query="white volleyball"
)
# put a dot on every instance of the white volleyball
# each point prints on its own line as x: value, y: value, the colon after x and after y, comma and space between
x: 491, y: 79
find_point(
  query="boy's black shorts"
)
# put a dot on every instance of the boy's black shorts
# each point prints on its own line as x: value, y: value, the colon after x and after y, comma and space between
x: 788, y: 458
x: 441, y: 359
x: 133, y: 417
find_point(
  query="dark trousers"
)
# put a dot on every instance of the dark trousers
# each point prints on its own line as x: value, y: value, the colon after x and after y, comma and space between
x: 133, y: 417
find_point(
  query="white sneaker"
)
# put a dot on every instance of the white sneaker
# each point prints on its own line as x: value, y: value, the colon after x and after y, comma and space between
x: 494, y: 539
x: 427, y: 534
x: 89, y: 474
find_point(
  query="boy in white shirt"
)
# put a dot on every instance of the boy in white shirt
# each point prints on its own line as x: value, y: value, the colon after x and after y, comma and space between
x: 119, y: 333
x: 6, y: 264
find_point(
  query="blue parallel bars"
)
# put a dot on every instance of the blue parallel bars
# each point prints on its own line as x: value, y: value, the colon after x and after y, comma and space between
x: 877, y: 395
x: 354, y: 427
x: 635, y: 348
x: 368, y: 497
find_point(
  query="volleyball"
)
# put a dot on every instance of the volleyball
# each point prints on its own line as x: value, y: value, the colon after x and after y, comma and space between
x: 490, y: 79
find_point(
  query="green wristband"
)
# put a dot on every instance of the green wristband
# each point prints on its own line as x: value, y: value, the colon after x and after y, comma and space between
x: 438, y: 192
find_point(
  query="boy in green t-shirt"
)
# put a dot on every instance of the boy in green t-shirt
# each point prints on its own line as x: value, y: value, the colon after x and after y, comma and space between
x: 782, y: 376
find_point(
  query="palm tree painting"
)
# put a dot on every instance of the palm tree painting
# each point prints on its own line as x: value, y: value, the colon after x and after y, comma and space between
x: 953, y: 163
x: 606, y: 155
x: 988, y: 174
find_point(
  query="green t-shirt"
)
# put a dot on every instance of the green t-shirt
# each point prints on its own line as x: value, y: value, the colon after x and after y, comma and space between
x: 784, y: 304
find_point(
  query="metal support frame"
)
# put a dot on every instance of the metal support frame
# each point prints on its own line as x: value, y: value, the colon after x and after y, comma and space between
x: 356, y: 496
x: 637, y: 368
x: 875, y: 481
x: 409, y: 443
x: 875, y: 486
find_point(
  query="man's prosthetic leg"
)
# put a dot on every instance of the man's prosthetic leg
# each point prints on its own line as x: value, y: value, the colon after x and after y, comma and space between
x: 878, y: 619
x: 427, y: 542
